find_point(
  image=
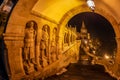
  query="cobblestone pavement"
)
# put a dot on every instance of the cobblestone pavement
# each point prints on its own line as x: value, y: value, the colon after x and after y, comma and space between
x: 83, y: 72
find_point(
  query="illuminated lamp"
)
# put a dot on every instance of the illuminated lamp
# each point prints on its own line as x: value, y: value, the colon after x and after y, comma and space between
x: 91, y: 4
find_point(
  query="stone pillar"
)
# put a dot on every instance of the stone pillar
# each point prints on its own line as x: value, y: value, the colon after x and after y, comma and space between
x: 13, y: 47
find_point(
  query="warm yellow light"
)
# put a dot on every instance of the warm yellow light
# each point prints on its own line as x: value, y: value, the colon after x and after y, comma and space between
x: 86, y: 41
x: 93, y: 52
x: 106, y: 56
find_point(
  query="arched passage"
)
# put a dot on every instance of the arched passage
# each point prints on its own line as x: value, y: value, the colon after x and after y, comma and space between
x: 83, y: 8
x: 15, y: 30
x: 99, y: 29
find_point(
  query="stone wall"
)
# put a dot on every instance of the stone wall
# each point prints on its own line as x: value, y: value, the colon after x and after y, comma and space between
x: 32, y: 45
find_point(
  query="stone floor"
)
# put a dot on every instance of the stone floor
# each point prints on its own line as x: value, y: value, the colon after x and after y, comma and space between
x: 83, y: 72
x: 78, y: 72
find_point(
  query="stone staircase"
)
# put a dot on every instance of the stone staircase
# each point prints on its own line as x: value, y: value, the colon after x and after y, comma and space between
x: 77, y: 71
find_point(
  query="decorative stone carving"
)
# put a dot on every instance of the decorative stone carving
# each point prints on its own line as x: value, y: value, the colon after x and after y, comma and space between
x: 44, y: 46
x: 29, y: 46
x: 65, y: 38
x: 54, y: 46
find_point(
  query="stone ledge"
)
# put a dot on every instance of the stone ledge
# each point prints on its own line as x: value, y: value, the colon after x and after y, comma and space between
x: 14, y: 37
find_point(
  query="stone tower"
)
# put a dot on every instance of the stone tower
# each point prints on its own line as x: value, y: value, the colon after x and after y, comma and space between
x: 83, y: 31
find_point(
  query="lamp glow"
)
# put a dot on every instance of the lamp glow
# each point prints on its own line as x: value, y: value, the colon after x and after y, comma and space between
x: 91, y: 4
x: 106, y: 56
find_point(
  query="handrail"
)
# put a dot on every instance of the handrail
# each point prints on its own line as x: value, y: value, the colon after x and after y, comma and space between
x: 68, y: 47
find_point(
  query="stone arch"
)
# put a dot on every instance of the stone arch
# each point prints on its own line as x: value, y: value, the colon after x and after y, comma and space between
x: 84, y: 8
x: 10, y: 36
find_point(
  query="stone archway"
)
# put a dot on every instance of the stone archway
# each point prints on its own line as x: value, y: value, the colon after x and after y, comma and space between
x: 110, y: 18
x: 13, y: 37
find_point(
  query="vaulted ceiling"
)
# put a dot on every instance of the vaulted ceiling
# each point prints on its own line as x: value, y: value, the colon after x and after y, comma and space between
x: 56, y: 9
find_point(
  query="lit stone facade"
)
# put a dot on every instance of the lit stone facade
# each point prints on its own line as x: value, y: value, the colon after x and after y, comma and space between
x: 51, y: 44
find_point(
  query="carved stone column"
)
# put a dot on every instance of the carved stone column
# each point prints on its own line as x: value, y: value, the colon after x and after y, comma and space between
x: 57, y: 46
x: 13, y: 51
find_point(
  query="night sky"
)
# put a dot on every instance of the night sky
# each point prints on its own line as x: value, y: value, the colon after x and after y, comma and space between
x: 98, y: 27
x: 1, y: 2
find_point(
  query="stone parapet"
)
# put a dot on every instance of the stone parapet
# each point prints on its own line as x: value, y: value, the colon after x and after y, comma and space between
x: 13, y: 51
